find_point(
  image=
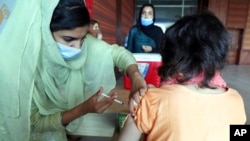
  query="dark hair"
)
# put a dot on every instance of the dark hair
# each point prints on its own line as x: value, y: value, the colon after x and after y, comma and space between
x: 69, y: 14
x: 93, y: 22
x: 140, y: 12
x: 195, y: 44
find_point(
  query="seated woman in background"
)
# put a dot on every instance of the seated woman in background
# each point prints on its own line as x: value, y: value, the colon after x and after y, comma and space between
x: 193, y: 102
x: 144, y: 37
x: 94, y: 29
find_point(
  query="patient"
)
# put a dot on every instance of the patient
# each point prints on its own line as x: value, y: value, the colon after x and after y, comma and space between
x: 193, y: 102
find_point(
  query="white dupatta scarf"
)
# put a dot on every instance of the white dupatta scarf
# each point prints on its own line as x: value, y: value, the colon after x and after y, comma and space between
x: 31, y: 66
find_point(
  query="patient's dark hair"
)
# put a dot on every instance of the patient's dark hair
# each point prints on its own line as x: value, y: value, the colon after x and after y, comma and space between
x: 69, y: 14
x: 194, y: 44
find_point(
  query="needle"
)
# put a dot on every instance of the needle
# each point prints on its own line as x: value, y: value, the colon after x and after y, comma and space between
x: 116, y: 100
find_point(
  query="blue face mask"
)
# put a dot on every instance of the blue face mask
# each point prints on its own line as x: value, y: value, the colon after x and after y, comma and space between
x: 68, y: 52
x: 146, y: 22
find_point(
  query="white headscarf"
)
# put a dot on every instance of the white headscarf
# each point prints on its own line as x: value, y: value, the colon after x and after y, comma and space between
x: 31, y: 66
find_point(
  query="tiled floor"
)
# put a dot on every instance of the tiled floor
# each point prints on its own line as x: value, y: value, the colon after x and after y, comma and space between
x: 238, y: 77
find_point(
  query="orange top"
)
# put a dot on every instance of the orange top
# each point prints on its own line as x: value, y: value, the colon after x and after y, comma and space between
x: 176, y: 113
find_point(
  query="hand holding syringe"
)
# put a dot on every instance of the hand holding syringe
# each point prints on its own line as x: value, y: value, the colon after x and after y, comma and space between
x: 116, y: 100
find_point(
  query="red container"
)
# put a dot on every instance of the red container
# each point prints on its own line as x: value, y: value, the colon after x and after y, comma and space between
x: 148, y: 64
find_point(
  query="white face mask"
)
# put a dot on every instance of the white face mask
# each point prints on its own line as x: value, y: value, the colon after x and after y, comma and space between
x: 68, y: 52
x: 146, y: 22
